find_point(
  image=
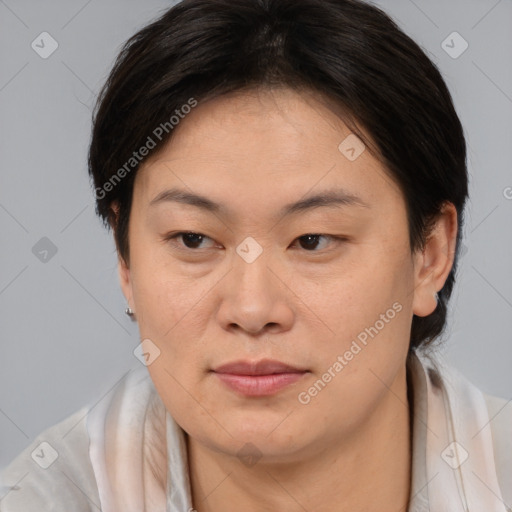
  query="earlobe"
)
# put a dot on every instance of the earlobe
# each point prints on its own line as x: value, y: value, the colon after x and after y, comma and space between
x: 433, y: 265
x: 125, y: 281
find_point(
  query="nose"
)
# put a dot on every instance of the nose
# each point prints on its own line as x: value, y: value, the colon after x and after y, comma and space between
x: 256, y: 298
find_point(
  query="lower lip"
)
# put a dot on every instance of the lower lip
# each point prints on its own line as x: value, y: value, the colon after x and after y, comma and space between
x: 259, y: 385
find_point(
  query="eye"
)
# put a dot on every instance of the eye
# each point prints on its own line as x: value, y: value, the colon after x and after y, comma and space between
x: 190, y: 239
x: 310, y: 241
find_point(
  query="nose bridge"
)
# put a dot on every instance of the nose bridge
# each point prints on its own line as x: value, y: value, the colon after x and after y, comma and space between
x: 254, y: 296
x: 251, y: 273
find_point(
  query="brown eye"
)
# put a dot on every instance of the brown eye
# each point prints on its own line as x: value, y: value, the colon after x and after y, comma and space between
x: 310, y: 242
x: 190, y: 240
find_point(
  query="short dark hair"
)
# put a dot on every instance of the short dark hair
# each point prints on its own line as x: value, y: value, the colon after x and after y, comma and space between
x: 349, y: 51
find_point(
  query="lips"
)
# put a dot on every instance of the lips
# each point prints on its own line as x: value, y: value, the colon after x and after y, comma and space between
x: 258, y: 378
x: 263, y: 367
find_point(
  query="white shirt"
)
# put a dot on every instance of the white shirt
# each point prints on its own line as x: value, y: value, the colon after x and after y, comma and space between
x: 127, y: 454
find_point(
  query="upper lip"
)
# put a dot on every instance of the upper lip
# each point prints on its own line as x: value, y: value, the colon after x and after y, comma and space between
x: 263, y: 367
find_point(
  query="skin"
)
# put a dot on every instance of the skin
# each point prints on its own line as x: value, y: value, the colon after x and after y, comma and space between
x: 302, y: 304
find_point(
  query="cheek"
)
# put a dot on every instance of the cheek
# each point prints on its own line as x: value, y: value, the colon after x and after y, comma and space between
x: 190, y: 407
x: 165, y: 295
x: 351, y: 298
x: 365, y: 313
x: 173, y: 312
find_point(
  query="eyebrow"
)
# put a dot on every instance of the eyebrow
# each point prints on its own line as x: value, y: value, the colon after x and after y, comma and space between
x: 328, y: 198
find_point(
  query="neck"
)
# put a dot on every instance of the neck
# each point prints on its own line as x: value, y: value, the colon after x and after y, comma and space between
x: 370, y: 471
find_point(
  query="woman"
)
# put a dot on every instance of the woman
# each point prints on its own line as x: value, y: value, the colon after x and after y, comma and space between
x: 285, y: 181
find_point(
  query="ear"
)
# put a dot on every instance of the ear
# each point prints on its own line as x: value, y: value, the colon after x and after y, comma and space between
x: 125, y: 281
x: 122, y: 267
x: 432, y: 265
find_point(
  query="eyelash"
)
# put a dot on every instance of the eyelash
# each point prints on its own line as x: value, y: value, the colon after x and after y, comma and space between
x: 172, y: 236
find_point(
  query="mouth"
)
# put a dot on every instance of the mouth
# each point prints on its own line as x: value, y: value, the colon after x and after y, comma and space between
x: 259, y: 378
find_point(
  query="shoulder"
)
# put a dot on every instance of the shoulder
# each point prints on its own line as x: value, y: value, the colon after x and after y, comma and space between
x: 500, y: 421
x: 500, y: 414
x: 64, y: 468
x: 53, y: 473
x: 479, y: 419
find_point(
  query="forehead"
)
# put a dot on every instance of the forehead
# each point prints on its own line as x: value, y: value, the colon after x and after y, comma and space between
x: 274, y: 117
x: 279, y: 143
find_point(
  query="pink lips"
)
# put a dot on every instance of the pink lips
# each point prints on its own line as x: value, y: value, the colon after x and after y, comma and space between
x: 259, y: 378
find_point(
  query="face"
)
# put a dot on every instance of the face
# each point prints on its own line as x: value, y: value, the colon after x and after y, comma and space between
x: 265, y: 237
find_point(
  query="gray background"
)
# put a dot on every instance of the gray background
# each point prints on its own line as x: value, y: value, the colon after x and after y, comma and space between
x: 66, y: 340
